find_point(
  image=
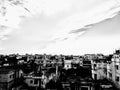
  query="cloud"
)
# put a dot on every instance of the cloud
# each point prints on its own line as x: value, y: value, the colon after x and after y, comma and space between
x: 84, y: 45
x: 79, y: 30
x: 13, y: 11
x: 10, y: 16
x: 74, y: 17
x: 81, y: 13
x: 79, y: 21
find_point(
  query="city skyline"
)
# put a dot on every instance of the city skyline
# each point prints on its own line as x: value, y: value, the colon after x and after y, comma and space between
x: 61, y: 27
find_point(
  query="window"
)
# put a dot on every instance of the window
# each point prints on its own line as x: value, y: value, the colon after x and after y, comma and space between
x: 110, y: 74
x: 13, y: 76
x: 117, y: 78
x: 31, y: 81
x: 95, y: 76
x: 117, y: 67
x: 84, y: 88
x: 10, y: 76
x: 94, y: 65
x: 67, y: 88
x: 36, y: 81
x: 67, y: 65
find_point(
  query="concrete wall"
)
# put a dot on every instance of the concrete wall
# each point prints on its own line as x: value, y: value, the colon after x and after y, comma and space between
x: 30, y: 82
x: 7, y: 77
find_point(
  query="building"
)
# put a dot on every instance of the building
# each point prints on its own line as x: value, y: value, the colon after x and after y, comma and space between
x: 109, y: 67
x: 8, y: 78
x: 76, y: 79
x: 67, y: 64
x: 115, y: 67
x: 99, y: 68
x: 32, y: 81
x: 109, y: 70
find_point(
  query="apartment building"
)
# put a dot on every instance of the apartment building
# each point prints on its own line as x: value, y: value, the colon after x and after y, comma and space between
x: 115, y: 67
x: 99, y: 68
x: 8, y: 77
x: 109, y: 70
x: 32, y: 81
x: 67, y: 64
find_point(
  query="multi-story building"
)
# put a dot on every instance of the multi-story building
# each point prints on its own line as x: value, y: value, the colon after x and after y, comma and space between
x: 67, y: 64
x: 99, y: 68
x: 115, y: 67
x: 32, y: 81
x: 9, y: 77
x: 109, y: 70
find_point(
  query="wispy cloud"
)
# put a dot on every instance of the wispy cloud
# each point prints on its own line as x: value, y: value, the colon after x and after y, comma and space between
x: 10, y: 16
x: 84, y: 12
x: 73, y: 17
x: 79, y: 21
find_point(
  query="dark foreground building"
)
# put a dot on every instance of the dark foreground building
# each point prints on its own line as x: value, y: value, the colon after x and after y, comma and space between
x: 9, y: 78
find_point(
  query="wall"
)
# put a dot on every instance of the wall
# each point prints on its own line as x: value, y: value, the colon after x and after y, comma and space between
x: 30, y: 82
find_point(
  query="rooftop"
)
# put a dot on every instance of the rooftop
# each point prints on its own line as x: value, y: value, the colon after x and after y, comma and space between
x: 6, y: 71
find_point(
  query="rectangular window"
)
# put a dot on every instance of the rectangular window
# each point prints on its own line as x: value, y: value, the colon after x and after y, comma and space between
x: 84, y: 88
x: 117, y: 67
x: 10, y: 76
x: 67, y: 88
x: 31, y: 81
x: 117, y: 78
x: 95, y: 76
x: 36, y: 81
x: 13, y: 75
x: 110, y: 75
x: 94, y: 65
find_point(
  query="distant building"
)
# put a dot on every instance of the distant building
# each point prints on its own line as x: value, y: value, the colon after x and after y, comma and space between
x: 67, y: 64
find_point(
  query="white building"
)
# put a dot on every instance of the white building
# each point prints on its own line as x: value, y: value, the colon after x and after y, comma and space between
x: 32, y: 81
x: 67, y: 64
x: 99, y: 69
x: 109, y: 70
x: 115, y: 66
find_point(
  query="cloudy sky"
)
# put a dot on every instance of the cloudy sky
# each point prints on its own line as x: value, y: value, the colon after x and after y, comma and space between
x: 59, y: 26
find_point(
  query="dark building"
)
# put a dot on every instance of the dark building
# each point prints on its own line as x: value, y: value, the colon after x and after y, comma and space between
x: 8, y: 78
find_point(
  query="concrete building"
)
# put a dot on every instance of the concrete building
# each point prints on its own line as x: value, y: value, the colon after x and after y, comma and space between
x: 115, y: 67
x: 32, y: 81
x: 109, y: 70
x: 99, y: 68
x: 8, y: 77
x: 67, y: 64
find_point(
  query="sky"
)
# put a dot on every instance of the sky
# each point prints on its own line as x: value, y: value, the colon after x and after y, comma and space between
x: 59, y: 26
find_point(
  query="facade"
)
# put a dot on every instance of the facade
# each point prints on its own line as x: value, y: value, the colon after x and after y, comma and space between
x: 109, y: 70
x: 74, y: 85
x: 67, y: 64
x: 115, y: 67
x: 8, y: 78
x: 99, y: 68
x: 32, y: 81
